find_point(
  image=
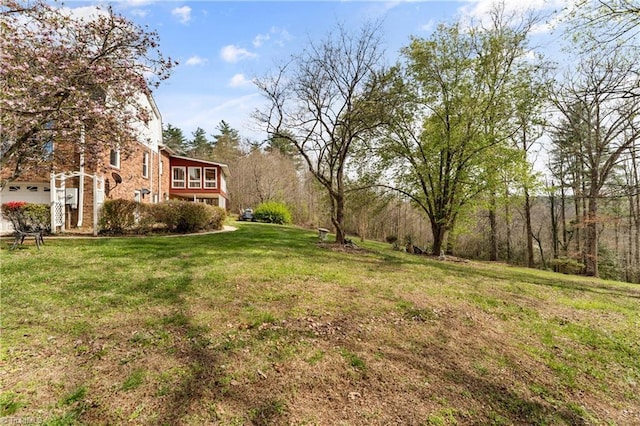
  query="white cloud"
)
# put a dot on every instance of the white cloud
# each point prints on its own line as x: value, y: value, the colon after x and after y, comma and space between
x: 480, y: 10
x: 135, y: 3
x: 141, y: 13
x: 232, y: 53
x: 277, y: 35
x: 182, y: 13
x: 429, y: 26
x: 281, y: 35
x: 86, y: 13
x: 260, y: 39
x: 195, y: 60
x: 188, y: 111
x: 239, y: 80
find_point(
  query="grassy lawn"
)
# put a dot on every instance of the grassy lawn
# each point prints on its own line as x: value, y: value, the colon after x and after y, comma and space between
x: 264, y: 326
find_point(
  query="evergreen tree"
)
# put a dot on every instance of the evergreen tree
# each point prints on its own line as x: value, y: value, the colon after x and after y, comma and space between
x: 282, y: 145
x: 226, y: 144
x: 173, y: 138
x: 199, y: 146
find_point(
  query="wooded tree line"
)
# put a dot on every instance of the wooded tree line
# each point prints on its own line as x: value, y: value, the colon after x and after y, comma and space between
x: 436, y: 150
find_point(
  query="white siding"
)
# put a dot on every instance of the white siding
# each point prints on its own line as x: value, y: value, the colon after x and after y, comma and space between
x: 149, y: 134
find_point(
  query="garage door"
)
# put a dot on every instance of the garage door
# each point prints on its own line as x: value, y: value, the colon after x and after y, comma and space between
x: 37, y: 193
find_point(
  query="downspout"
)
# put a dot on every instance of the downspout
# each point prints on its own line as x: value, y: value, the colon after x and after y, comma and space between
x: 160, y: 173
x: 81, y: 182
x: 95, y: 204
x: 151, y: 175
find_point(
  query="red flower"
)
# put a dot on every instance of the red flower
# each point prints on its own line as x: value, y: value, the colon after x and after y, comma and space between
x: 12, y: 206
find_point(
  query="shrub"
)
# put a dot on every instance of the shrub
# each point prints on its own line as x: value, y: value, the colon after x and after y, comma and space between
x: 391, y: 239
x: 167, y: 213
x: 608, y: 266
x: 118, y: 216
x: 145, y: 218
x: 218, y: 216
x: 567, y: 265
x: 193, y: 217
x: 273, y: 212
x: 39, y: 215
x: 187, y: 216
x: 14, y: 211
x: 27, y: 216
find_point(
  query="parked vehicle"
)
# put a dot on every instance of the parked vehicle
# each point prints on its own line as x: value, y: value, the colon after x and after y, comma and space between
x: 247, y: 215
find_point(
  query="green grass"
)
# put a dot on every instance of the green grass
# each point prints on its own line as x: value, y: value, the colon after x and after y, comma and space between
x: 9, y: 403
x: 134, y: 380
x: 263, y: 326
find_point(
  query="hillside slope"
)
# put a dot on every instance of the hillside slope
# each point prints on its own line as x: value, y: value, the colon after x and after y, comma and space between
x: 264, y: 326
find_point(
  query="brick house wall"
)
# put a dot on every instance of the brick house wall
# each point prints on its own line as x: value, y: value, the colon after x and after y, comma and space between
x: 141, y: 172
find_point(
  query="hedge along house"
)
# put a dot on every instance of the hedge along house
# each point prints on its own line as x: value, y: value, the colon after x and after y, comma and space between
x: 77, y: 189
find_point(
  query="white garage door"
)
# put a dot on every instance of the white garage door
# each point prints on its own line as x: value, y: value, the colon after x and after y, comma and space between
x: 38, y: 193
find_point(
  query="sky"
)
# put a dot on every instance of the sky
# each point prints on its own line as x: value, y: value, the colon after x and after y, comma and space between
x: 222, y: 45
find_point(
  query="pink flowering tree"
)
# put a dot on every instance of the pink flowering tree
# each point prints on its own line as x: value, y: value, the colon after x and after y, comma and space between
x: 71, y: 81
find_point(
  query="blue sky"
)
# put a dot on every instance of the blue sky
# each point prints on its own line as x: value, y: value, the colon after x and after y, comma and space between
x: 222, y: 45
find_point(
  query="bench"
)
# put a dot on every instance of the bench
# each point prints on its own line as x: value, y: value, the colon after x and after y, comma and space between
x: 20, y: 235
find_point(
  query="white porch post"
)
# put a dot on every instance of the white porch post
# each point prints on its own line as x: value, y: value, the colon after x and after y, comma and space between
x: 63, y: 191
x: 95, y: 205
x: 52, y: 204
x: 81, y: 181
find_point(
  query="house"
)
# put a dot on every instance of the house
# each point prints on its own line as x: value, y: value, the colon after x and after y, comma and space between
x: 198, y: 180
x: 148, y: 173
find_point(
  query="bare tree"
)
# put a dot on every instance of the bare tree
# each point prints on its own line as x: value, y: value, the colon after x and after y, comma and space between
x: 323, y: 101
x: 600, y: 22
x: 265, y: 176
x: 603, y: 120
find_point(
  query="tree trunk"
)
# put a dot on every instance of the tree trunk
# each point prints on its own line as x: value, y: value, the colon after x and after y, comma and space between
x: 439, y: 235
x: 584, y: 220
x: 629, y: 252
x: 554, y: 223
x: 636, y: 180
x: 539, y: 241
x: 591, y: 243
x: 493, y: 235
x: 637, y: 248
x: 577, y: 197
x: 337, y: 218
x: 527, y: 214
x: 507, y: 213
x: 563, y: 218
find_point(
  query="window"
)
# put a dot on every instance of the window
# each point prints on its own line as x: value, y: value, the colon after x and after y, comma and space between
x: 114, y: 158
x: 210, y: 177
x: 47, y: 148
x: 195, y: 177
x: 178, y: 176
x: 145, y: 165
